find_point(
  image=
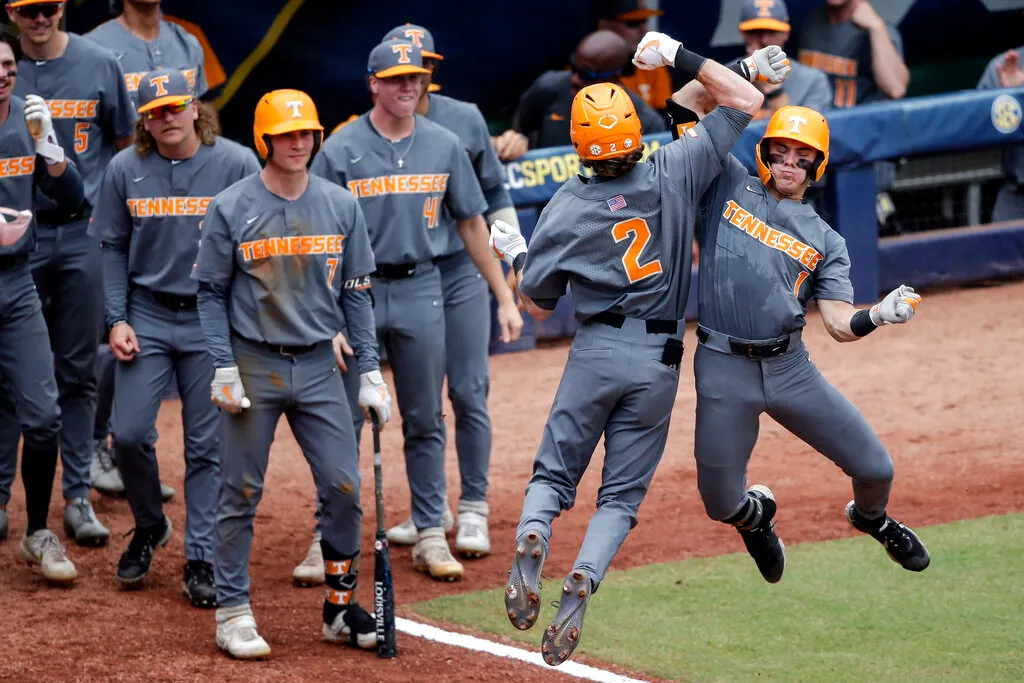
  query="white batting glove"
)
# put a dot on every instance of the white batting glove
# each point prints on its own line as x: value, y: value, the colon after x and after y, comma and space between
x: 506, y: 242
x: 374, y: 396
x: 897, y: 307
x: 655, y: 50
x: 40, y: 124
x: 227, y: 392
x: 768, y: 65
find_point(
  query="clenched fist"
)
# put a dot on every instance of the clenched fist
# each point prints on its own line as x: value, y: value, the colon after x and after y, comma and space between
x: 506, y: 242
x: 768, y: 65
x: 656, y: 50
x: 897, y: 307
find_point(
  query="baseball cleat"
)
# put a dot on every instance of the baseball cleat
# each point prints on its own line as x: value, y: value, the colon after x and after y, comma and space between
x: 237, y: 634
x: 134, y: 563
x: 472, y: 539
x: 563, y: 634
x: 166, y: 492
x: 310, y: 572
x: 353, y: 626
x: 899, y: 541
x: 406, y: 533
x: 431, y: 555
x: 758, y: 533
x: 104, y: 476
x: 80, y: 523
x: 522, y: 593
x: 198, y: 584
x: 44, y: 549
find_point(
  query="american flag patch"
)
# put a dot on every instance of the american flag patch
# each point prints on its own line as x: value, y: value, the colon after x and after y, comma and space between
x: 617, y: 202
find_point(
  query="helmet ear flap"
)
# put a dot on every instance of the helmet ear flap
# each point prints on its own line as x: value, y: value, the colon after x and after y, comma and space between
x: 268, y: 148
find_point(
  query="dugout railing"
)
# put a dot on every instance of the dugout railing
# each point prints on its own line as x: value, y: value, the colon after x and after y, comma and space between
x: 941, y: 142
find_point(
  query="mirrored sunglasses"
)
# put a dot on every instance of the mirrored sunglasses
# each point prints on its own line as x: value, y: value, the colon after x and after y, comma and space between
x: 158, y: 112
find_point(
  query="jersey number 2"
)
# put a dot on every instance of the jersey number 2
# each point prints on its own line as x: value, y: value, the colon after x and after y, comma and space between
x: 81, y: 137
x: 637, y: 227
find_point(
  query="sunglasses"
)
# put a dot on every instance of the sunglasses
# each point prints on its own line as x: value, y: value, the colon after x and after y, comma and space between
x: 592, y: 76
x: 33, y: 11
x: 158, y: 112
x: 636, y: 23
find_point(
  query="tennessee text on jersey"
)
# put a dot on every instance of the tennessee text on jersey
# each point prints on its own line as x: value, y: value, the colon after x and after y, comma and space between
x: 770, y: 237
x: 398, y: 184
x: 17, y: 166
x: 299, y: 245
x: 73, y: 109
x: 150, y: 207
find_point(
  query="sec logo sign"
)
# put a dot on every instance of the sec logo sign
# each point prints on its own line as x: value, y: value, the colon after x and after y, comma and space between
x: 1006, y: 114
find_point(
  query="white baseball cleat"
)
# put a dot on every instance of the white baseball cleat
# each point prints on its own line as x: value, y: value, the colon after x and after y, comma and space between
x: 472, y: 538
x: 44, y: 549
x: 310, y: 572
x: 237, y: 635
x: 406, y: 534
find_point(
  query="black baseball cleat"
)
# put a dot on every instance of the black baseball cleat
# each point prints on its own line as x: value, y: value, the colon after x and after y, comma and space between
x: 758, y: 534
x: 352, y: 626
x: 563, y: 634
x: 902, y: 544
x: 134, y: 563
x: 198, y: 584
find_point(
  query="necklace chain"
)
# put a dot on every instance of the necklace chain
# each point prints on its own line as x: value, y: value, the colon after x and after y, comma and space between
x: 401, y: 157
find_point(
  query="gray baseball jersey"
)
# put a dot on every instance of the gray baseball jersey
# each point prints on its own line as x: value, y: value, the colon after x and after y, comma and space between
x: 466, y: 121
x: 174, y: 48
x: 843, y: 51
x: 1013, y: 157
x: 284, y: 264
x: 624, y: 243
x: 412, y: 192
x: 21, y: 172
x: 89, y: 103
x: 152, y: 209
x: 764, y: 259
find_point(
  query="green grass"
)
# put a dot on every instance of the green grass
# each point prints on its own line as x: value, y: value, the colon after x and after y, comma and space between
x: 843, y: 612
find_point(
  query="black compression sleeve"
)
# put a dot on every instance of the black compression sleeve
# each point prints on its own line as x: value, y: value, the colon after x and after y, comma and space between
x: 688, y: 63
x: 860, y: 323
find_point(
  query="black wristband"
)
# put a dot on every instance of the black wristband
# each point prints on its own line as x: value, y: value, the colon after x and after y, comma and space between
x: 518, y: 262
x: 860, y: 323
x: 741, y: 69
x: 775, y: 93
x: 689, y: 63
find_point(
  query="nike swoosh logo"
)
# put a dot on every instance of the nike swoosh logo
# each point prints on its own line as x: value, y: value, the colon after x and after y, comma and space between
x: 356, y: 160
x: 139, y: 179
x: 120, y: 55
x: 250, y: 221
x: 750, y: 188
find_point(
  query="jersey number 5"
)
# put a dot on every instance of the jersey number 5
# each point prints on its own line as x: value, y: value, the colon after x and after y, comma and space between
x: 81, y: 137
x: 637, y: 227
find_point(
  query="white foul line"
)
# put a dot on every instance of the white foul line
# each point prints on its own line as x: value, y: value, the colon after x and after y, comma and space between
x: 414, y: 628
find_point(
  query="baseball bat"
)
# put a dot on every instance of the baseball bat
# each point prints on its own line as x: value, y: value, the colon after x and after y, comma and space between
x: 383, y: 588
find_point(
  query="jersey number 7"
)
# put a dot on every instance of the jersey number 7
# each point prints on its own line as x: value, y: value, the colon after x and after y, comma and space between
x: 637, y: 227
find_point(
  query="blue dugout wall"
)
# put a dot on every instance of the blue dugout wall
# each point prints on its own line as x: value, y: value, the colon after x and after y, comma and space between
x: 861, y: 136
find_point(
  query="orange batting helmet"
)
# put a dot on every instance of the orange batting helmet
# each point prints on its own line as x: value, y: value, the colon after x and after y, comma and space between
x: 284, y: 111
x: 604, y: 124
x: 799, y: 124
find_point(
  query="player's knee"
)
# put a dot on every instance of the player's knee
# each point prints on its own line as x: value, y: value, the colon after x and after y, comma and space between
x: 239, y: 497
x: 468, y: 395
x: 41, y: 428
x: 877, y: 469
x: 132, y: 437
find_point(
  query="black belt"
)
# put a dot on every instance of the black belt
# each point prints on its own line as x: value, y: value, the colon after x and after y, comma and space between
x: 13, y: 261
x: 173, y: 301
x: 617, y: 320
x: 750, y: 350
x: 57, y: 218
x: 283, y: 349
x: 397, y: 271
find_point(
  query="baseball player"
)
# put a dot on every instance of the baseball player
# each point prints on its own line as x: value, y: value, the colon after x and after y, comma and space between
x: 621, y: 241
x: 413, y: 180
x: 860, y: 52
x: 766, y: 255
x: 282, y: 250
x: 764, y: 23
x: 93, y: 115
x: 466, y: 310
x: 31, y: 160
x: 1005, y: 71
x: 142, y: 41
x: 148, y: 219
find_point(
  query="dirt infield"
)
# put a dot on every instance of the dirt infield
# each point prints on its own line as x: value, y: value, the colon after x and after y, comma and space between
x: 944, y: 394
